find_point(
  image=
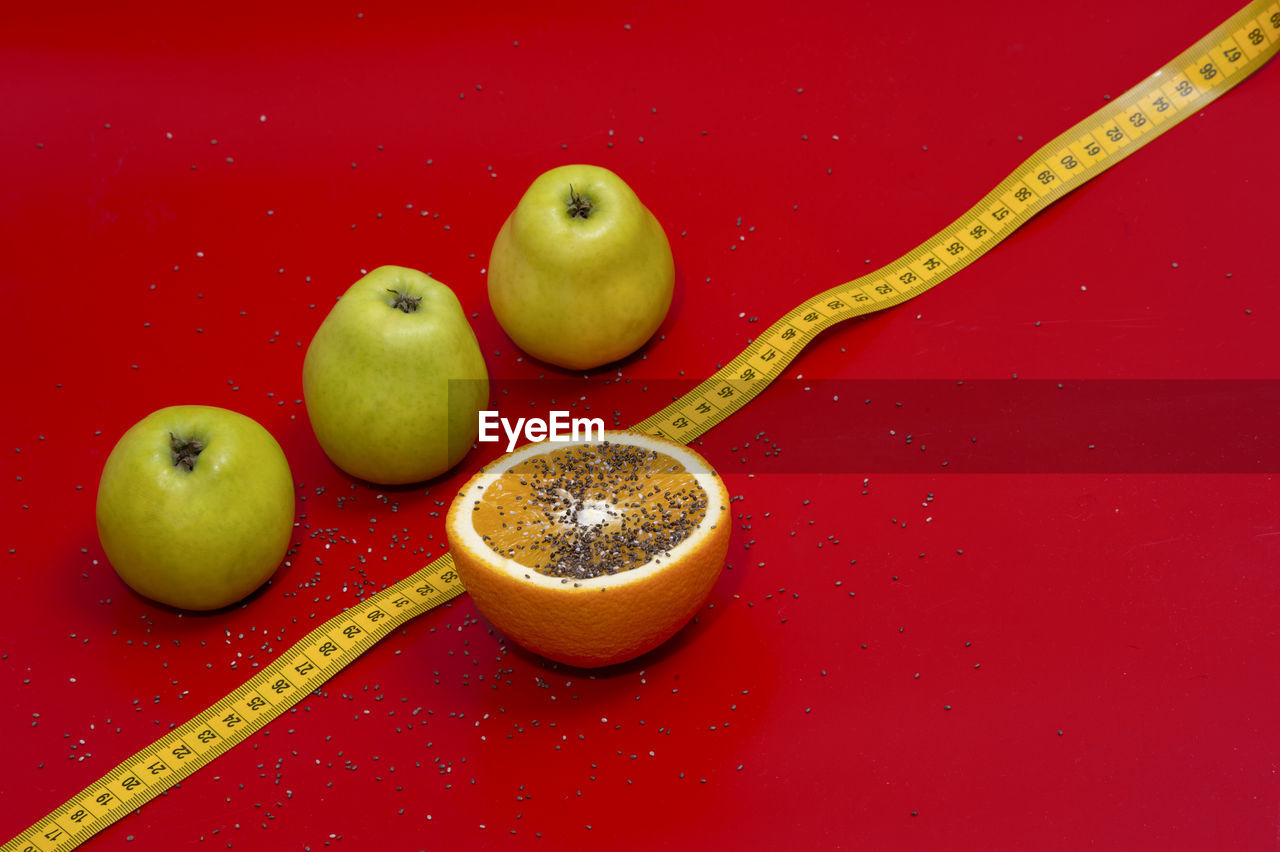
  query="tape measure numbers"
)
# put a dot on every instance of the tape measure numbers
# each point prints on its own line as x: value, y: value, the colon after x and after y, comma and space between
x: 1194, y: 78
x: 272, y: 690
x: 1206, y: 70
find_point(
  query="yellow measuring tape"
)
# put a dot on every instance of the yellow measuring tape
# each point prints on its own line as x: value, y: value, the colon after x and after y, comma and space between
x: 1198, y: 75
x: 1191, y: 80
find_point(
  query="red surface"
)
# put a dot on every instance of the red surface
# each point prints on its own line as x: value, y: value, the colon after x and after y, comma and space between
x: 186, y: 191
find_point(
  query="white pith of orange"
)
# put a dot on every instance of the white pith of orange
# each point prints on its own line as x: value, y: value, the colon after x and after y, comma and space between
x: 600, y: 620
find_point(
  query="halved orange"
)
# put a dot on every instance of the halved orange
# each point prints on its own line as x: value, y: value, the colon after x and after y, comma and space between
x: 591, y: 552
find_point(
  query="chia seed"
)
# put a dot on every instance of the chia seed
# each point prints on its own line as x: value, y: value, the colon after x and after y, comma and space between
x: 591, y: 510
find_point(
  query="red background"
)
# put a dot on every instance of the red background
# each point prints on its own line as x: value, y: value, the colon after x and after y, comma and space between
x: 187, y: 190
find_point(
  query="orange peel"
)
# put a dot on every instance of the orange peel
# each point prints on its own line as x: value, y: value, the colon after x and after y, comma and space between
x: 591, y: 553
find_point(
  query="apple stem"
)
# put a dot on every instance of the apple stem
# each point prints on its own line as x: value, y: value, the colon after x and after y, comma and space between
x: 404, y: 301
x: 579, y: 207
x: 184, y: 451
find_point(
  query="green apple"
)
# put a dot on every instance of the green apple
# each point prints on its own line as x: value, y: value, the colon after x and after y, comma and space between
x: 195, y: 506
x: 581, y: 272
x: 394, y: 379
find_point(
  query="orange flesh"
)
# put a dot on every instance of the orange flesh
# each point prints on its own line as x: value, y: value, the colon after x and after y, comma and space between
x: 588, y: 510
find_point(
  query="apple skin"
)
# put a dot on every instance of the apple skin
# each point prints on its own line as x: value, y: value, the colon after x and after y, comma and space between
x: 580, y: 292
x: 202, y: 538
x: 393, y: 396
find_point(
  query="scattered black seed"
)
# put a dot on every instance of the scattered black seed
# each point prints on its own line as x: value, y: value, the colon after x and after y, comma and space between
x: 592, y: 510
